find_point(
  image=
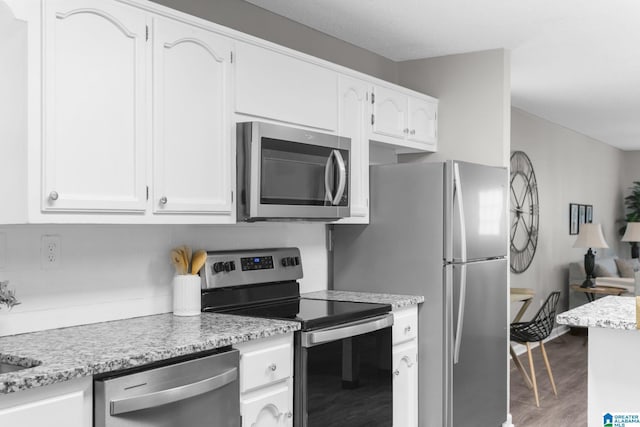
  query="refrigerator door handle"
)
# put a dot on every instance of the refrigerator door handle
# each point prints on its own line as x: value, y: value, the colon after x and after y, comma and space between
x: 458, y: 336
x: 457, y: 194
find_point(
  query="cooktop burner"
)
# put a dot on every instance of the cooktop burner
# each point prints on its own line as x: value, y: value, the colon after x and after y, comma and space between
x: 311, y: 313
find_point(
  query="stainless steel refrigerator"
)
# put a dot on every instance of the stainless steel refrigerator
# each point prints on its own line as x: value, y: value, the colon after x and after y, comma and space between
x: 440, y: 230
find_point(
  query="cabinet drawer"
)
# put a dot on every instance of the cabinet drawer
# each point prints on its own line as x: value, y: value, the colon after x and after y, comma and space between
x: 405, y: 325
x: 271, y: 406
x: 266, y: 366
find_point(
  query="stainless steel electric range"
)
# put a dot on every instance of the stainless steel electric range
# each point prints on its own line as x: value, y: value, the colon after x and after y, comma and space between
x: 342, y: 354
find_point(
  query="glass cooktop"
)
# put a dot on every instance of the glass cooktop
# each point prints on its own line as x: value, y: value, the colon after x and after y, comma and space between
x: 311, y: 313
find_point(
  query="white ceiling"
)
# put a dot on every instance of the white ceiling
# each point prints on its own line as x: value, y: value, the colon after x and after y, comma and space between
x: 574, y: 62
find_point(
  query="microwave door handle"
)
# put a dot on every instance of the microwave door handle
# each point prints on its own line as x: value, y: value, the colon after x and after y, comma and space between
x: 327, y: 177
x: 342, y: 170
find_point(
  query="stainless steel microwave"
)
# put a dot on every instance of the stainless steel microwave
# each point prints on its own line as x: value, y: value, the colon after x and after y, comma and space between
x: 285, y: 173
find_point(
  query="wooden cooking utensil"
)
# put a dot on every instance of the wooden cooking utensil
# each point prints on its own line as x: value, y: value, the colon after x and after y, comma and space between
x: 177, y: 259
x: 199, y: 258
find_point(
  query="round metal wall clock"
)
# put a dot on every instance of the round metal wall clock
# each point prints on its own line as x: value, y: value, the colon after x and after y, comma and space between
x: 524, y: 212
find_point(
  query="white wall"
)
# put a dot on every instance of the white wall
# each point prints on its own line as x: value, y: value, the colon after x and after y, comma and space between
x: 570, y: 168
x: 474, y: 90
x: 113, y: 272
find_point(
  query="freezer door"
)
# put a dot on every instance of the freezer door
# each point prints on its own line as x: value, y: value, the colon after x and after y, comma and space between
x: 479, y: 328
x: 475, y: 211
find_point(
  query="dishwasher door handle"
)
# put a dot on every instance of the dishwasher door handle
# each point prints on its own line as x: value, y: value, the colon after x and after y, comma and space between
x: 175, y: 394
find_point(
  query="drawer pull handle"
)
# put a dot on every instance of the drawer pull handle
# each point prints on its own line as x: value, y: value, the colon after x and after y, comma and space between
x: 53, y: 196
x: 273, y: 367
x: 289, y: 414
x: 163, y: 200
x: 407, y: 329
x: 396, y: 372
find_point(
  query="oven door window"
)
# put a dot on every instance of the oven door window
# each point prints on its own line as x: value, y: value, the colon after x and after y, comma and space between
x: 294, y: 173
x: 349, y: 382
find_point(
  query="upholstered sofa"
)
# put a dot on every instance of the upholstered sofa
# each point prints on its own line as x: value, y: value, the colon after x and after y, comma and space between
x: 609, y: 271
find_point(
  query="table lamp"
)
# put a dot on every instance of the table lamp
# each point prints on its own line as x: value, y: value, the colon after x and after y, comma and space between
x: 632, y: 235
x: 590, y: 236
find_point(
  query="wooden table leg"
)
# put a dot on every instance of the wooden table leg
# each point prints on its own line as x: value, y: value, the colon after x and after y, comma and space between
x: 527, y: 380
x: 524, y: 307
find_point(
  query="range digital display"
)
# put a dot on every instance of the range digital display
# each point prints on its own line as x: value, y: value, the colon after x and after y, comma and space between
x: 256, y: 263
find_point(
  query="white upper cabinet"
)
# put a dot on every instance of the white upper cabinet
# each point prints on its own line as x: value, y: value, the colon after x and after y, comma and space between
x: 191, y: 116
x: 389, y: 112
x: 95, y: 65
x: 353, y: 109
x: 422, y: 121
x: 404, y: 119
x: 277, y: 86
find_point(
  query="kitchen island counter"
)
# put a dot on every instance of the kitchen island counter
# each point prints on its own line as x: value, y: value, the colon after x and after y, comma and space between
x: 67, y: 353
x: 396, y: 300
x: 610, y: 312
x: 614, y: 343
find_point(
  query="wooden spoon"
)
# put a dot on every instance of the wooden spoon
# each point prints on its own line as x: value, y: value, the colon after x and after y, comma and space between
x: 199, y: 258
x: 186, y: 254
x: 178, y: 262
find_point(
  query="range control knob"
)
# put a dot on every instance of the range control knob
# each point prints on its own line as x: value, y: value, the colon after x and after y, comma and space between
x: 232, y: 265
x: 227, y: 266
x: 296, y: 260
x: 285, y: 262
x: 218, y: 267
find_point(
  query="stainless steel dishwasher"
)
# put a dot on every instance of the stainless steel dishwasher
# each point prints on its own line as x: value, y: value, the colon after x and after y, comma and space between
x: 197, y: 392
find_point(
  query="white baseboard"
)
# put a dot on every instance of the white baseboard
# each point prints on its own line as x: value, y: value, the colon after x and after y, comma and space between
x: 557, y: 331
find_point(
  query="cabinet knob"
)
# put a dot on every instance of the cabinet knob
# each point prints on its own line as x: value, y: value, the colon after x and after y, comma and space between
x: 53, y: 195
x: 396, y: 372
x: 405, y: 130
x: 407, y: 329
x: 273, y: 367
x: 163, y: 200
x: 413, y: 131
x: 289, y: 414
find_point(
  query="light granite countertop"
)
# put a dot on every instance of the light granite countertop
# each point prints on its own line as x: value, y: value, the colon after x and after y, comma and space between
x: 396, y: 301
x: 79, y: 351
x: 609, y: 312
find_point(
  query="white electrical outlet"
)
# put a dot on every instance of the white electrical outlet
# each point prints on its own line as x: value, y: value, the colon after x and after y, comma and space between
x: 50, y: 252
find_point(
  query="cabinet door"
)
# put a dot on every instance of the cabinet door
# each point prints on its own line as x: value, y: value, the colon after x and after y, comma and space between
x: 352, y: 109
x: 422, y: 121
x: 95, y: 57
x: 277, y: 86
x: 271, y: 407
x: 192, y: 128
x: 67, y: 404
x: 405, y: 385
x: 390, y: 112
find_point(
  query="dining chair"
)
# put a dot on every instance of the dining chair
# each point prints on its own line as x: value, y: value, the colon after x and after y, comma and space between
x: 537, y: 330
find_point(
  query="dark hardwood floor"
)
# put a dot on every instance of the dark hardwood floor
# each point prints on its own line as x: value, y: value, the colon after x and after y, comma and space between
x: 568, y: 359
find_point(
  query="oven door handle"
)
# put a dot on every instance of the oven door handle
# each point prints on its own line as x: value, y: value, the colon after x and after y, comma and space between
x: 175, y: 394
x: 311, y: 339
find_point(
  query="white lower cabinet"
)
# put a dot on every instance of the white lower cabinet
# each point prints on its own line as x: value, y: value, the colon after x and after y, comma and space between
x: 405, y: 367
x: 405, y: 384
x: 270, y: 407
x: 266, y: 382
x: 67, y: 404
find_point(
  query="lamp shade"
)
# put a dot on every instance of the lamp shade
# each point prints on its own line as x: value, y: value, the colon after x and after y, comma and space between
x: 632, y: 233
x: 590, y: 236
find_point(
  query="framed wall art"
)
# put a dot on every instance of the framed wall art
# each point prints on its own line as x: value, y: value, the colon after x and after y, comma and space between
x: 589, y: 214
x: 582, y: 215
x: 573, y: 218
